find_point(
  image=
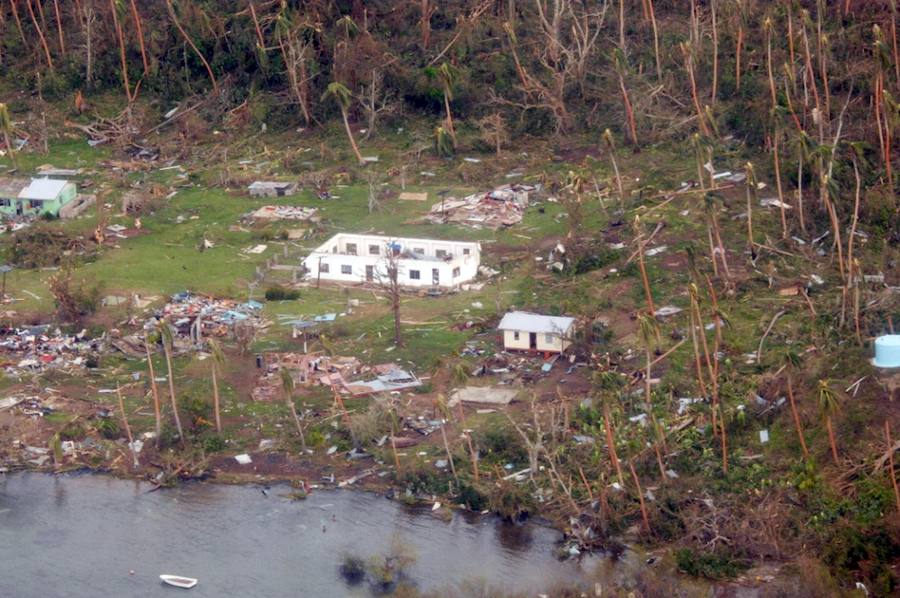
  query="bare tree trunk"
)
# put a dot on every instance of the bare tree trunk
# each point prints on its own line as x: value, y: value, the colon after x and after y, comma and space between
x: 140, y: 31
x: 622, y: 25
x: 640, y: 494
x: 127, y: 427
x: 89, y: 17
x: 15, y: 13
x: 831, y: 439
x: 59, y: 29
x: 425, y: 22
x: 121, y: 37
x: 781, y: 204
x: 353, y: 145
x: 155, y: 391
x: 715, y: 39
x: 890, y: 452
x: 171, y: 377
x: 652, y: 14
x: 796, y: 416
x: 215, y: 384
x: 40, y: 33
x: 190, y: 42
x: 611, y: 443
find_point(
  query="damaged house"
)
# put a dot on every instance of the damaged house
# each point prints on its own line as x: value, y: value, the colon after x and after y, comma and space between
x: 37, y: 197
x: 271, y: 189
x: 421, y: 262
x: 523, y: 331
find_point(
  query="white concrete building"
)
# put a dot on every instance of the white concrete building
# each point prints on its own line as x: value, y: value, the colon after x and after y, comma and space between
x: 523, y: 331
x: 353, y: 258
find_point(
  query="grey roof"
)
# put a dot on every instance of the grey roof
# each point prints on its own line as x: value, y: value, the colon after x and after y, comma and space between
x: 270, y: 185
x: 528, y: 322
x: 43, y: 189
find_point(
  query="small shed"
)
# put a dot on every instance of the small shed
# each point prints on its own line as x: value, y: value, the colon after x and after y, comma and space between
x: 523, y: 331
x: 271, y: 189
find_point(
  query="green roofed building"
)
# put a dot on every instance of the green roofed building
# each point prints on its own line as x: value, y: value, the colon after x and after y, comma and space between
x: 21, y: 197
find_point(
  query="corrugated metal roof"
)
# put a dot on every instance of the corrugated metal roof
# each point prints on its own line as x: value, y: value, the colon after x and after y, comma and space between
x: 43, y: 189
x: 528, y: 322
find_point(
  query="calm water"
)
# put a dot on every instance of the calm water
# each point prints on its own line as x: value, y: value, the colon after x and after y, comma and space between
x: 80, y: 535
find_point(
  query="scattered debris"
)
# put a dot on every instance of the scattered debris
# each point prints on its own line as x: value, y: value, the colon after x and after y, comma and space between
x: 285, y: 213
x: 489, y: 395
x: 504, y: 206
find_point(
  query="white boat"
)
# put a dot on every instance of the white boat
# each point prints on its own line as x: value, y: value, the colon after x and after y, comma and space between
x: 178, y: 581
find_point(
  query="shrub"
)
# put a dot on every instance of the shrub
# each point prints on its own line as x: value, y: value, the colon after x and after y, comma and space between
x: 108, y: 427
x: 472, y: 497
x: 213, y: 443
x: 278, y: 293
x: 707, y: 564
x: 352, y: 570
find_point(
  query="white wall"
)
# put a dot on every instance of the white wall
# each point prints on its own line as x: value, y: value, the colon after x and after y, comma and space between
x: 553, y: 342
x: 333, y: 253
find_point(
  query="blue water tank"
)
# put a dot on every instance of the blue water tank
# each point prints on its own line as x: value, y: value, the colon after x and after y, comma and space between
x: 887, y: 351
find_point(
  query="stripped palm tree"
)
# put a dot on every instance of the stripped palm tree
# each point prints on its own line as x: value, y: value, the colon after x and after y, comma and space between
x: 342, y: 97
x: 165, y: 334
x: 218, y: 360
x: 6, y: 127
x: 829, y: 406
x: 791, y: 362
x: 157, y: 411
x: 648, y: 332
x: 287, y: 386
x: 449, y: 76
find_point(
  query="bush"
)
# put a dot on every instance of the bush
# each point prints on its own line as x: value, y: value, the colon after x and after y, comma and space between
x: 197, y: 409
x: 282, y: 294
x: 74, y: 300
x: 501, y: 444
x: 352, y: 570
x: 108, y: 427
x: 511, y: 501
x: 213, y: 443
x: 707, y: 564
x: 472, y: 497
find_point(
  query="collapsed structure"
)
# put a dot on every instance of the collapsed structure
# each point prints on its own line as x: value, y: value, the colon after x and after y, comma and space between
x: 356, y: 258
x: 504, y: 206
x: 271, y: 188
x: 335, y: 372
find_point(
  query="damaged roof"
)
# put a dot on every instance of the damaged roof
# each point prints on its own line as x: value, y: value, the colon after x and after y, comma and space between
x: 522, y: 320
x: 43, y: 189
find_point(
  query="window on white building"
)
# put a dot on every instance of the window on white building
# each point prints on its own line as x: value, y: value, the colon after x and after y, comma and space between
x: 466, y: 251
x: 345, y: 269
x: 456, y: 272
x: 414, y: 275
x: 351, y: 248
x: 549, y: 338
x: 515, y: 336
x: 419, y: 250
x: 374, y: 250
x: 440, y: 253
x: 323, y: 267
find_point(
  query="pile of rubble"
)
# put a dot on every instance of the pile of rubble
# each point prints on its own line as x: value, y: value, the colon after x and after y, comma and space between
x: 335, y: 372
x: 192, y: 319
x: 504, y: 206
x: 36, y: 349
x: 298, y: 213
